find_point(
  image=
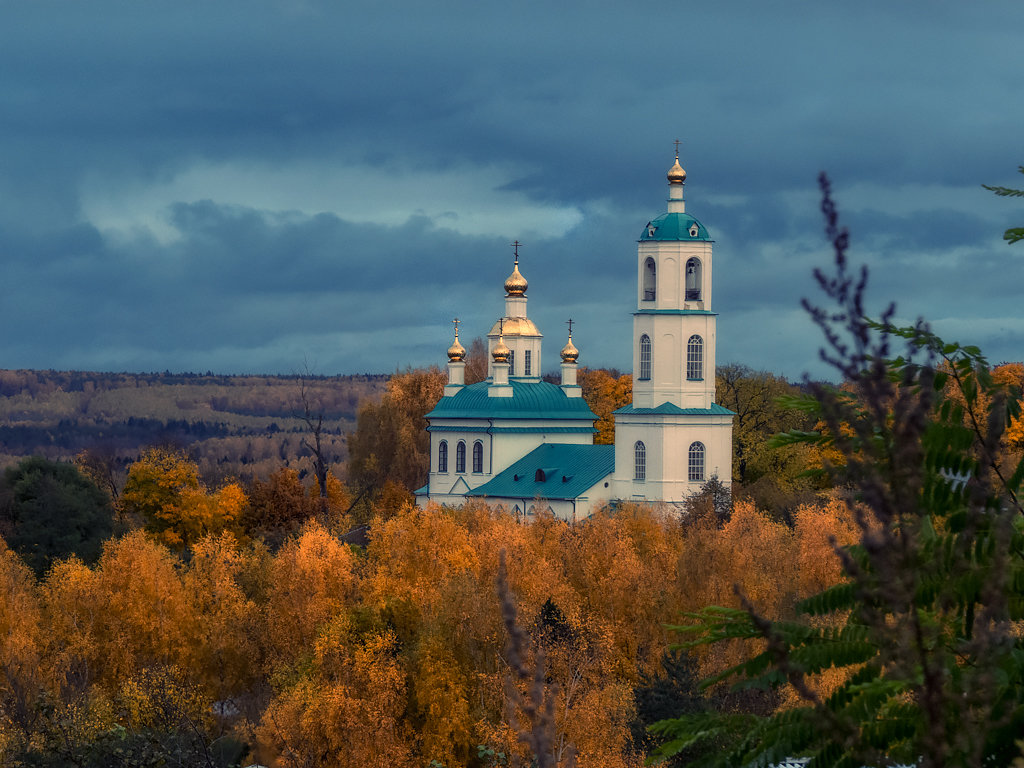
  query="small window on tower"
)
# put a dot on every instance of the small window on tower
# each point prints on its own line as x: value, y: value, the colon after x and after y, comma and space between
x: 512, y: 363
x: 526, y: 363
x: 695, y: 359
x: 694, y: 231
x: 645, y: 358
x: 639, y: 461
x: 650, y: 280
x: 693, y: 280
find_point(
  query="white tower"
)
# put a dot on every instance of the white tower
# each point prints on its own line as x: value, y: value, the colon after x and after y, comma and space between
x: 674, y: 437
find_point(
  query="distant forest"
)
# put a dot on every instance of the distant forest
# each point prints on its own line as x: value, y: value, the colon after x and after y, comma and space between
x: 238, y: 427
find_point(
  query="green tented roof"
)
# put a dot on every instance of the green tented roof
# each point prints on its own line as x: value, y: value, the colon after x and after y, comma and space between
x: 714, y: 410
x: 674, y: 226
x: 565, y: 472
x: 530, y: 400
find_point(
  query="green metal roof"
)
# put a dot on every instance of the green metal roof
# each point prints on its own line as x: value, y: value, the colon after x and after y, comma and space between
x: 530, y: 400
x: 714, y: 410
x: 674, y: 226
x: 552, y: 471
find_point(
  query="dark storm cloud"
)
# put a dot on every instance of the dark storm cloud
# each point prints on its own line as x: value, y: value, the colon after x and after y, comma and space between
x: 566, y: 105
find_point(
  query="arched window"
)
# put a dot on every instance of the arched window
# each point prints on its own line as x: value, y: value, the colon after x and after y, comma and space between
x: 645, y: 357
x: 650, y: 280
x: 695, y: 358
x: 460, y: 457
x: 442, y: 456
x: 696, y: 462
x: 693, y: 280
x: 478, y: 456
x: 639, y: 461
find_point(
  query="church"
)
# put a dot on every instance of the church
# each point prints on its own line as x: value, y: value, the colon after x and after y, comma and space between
x: 519, y: 441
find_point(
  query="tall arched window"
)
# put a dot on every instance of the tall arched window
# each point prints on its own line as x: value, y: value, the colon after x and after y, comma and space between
x: 650, y: 280
x: 442, y: 456
x: 645, y: 357
x: 639, y: 461
x: 478, y: 456
x: 695, y: 358
x: 693, y: 279
x: 460, y: 457
x: 696, y: 461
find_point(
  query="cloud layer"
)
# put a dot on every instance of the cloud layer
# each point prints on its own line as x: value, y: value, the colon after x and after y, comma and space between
x: 257, y: 187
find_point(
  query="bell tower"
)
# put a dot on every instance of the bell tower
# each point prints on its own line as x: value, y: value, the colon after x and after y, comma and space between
x: 673, y: 437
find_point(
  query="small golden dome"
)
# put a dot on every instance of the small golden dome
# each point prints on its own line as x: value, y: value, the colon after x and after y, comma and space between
x: 456, y: 352
x: 516, y: 283
x: 569, y: 352
x: 500, y: 352
x: 676, y: 174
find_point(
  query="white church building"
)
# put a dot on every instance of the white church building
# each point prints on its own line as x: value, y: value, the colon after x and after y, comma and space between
x: 518, y: 441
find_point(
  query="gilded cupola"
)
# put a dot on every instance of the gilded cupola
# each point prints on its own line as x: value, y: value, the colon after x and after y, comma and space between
x: 516, y: 284
x: 569, y: 352
x: 456, y: 352
x: 500, y: 352
x: 676, y: 174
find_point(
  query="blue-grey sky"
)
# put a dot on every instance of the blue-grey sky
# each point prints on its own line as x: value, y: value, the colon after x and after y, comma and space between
x: 254, y: 187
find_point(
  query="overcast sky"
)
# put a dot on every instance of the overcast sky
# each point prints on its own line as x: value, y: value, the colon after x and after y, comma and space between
x: 257, y: 187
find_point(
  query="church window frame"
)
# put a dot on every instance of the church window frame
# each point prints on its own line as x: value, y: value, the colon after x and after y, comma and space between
x: 697, y: 455
x: 460, y: 457
x: 644, y: 368
x: 695, y: 358
x: 527, y: 362
x: 478, y: 457
x: 650, y: 280
x: 442, y: 456
x: 511, y: 362
x: 693, y: 279
x: 639, y: 461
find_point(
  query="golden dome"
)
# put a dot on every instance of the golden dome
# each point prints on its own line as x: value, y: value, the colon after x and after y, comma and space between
x: 456, y: 352
x: 516, y: 283
x: 676, y: 174
x: 514, y: 326
x: 500, y: 352
x: 569, y: 352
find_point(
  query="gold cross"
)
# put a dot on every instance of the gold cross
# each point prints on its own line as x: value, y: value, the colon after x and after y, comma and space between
x: 456, y: 321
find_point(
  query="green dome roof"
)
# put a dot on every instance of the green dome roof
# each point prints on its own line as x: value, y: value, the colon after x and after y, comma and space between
x: 674, y: 226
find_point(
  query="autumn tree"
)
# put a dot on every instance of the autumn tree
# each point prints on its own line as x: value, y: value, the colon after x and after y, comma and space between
x: 391, y: 440
x: 50, y: 510
x: 605, y: 391
x: 476, y: 361
x: 163, y: 490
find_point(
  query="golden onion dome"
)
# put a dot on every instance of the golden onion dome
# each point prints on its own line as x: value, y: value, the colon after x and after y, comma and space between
x: 569, y: 352
x: 456, y: 352
x: 500, y: 352
x: 516, y: 283
x: 676, y: 174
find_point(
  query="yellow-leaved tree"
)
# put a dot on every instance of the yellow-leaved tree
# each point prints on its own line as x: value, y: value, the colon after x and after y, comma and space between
x: 164, y: 490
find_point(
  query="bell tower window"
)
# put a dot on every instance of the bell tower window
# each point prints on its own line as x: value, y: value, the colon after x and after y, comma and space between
x: 695, y: 359
x: 650, y: 280
x: 693, y: 279
x: 645, y: 357
x: 639, y: 461
x: 696, y: 462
